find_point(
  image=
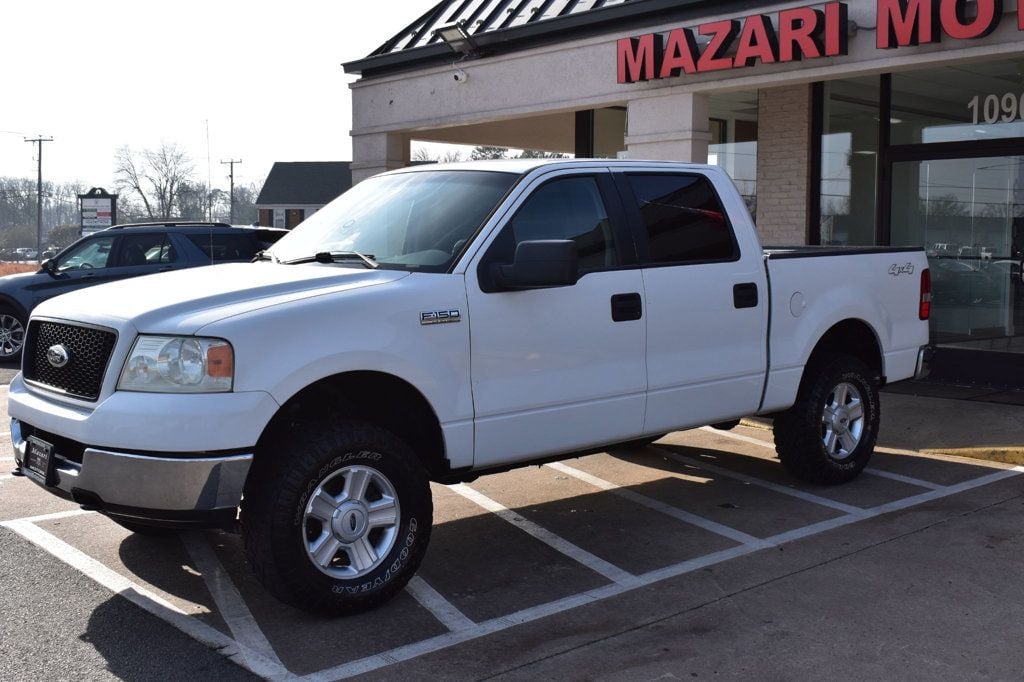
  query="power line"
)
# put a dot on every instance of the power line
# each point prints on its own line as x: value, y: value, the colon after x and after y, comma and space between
x: 231, y: 196
x: 39, y: 192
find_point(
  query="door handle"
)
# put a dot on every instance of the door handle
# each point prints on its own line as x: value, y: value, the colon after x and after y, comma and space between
x: 744, y: 295
x: 627, y: 307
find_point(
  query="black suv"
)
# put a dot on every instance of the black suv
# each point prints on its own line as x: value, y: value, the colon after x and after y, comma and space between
x: 120, y: 252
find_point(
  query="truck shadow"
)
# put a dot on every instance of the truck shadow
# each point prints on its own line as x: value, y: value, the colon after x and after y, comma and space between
x: 490, y: 569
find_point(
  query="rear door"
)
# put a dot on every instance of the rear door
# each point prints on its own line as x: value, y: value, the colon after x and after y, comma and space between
x: 707, y: 303
x: 562, y: 368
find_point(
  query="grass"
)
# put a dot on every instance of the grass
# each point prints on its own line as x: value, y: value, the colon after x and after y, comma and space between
x: 13, y: 268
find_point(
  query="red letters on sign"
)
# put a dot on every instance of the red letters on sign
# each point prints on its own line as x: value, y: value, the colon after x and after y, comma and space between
x: 906, y: 22
x: 836, y: 36
x: 681, y: 54
x: 803, y: 33
x: 639, y: 58
x: 955, y: 22
x: 757, y: 41
x: 800, y: 34
x: 722, y: 34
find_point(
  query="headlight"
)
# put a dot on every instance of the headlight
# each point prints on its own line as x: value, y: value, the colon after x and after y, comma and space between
x: 178, y: 364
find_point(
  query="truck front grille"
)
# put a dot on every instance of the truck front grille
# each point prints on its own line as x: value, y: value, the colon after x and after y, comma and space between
x: 88, y: 351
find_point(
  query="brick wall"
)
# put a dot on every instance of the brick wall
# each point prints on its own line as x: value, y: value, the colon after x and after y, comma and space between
x: 783, y: 164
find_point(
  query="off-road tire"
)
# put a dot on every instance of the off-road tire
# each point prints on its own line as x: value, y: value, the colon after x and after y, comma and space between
x: 287, y: 470
x: 800, y: 432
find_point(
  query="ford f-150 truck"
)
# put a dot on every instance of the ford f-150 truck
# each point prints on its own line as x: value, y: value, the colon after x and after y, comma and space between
x: 440, y: 322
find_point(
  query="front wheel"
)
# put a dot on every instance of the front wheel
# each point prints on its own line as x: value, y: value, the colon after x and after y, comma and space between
x: 336, y: 519
x: 829, y: 433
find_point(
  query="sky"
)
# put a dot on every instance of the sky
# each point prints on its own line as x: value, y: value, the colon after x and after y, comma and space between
x: 265, y: 79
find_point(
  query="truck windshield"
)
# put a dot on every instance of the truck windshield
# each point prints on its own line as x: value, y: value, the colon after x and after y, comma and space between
x: 411, y: 221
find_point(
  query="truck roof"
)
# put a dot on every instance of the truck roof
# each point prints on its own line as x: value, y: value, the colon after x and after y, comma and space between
x: 522, y: 166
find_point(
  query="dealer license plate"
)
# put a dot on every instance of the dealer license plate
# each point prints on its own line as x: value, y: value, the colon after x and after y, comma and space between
x: 39, y: 459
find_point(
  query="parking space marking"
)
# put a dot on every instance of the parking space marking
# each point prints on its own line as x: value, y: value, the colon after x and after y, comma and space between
x: 434, y: 644
x: 4, y: 477
x: 146, y: 600
x: 232, y: 607
x: 442, y: 609
x: 910, y: 480
x: 767, y: 485
x: 54, y: 516
x: 578, y: 554
x: 657, y: 505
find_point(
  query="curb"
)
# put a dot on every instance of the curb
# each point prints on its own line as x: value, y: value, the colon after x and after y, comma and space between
x: 1014, y: 455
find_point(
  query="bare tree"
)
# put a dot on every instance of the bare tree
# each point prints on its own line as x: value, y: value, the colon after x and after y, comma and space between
x: 156, y: 176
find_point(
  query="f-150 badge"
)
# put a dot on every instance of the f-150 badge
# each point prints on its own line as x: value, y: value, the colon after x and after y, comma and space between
x: 440, y: 317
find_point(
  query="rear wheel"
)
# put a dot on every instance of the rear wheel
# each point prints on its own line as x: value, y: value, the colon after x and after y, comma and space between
x: 336, y: 519
x: 829, y: 433
x: 12, y: 335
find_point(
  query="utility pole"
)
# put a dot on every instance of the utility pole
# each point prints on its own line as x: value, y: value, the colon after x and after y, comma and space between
x: 231, y: 197
x: 39, y: 193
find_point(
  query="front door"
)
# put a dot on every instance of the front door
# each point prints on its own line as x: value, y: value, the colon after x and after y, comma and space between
x: 559, y: 369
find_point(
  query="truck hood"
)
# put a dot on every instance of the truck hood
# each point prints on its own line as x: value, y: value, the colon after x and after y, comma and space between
x: 184, y: 301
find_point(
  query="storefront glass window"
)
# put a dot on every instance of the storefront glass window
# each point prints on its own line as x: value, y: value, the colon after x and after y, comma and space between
x: 733, y: 146
x: 849, y: 161
x: 969, y: 216
x: 971, y: 101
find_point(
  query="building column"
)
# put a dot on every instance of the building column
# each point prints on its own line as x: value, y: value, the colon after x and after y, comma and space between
x: 783, y: 164
x: 378, y: 152
x: 669, y: 128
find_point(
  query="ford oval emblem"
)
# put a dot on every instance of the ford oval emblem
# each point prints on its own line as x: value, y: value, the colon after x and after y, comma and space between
x: 58, y: 355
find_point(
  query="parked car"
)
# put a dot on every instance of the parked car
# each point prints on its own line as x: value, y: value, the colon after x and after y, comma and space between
x: 440, y: 322
x: 117, y: 253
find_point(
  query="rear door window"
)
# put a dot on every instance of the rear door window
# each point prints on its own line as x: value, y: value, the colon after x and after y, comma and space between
x: 146, y: 249
x: 226, y: 247
x: 683, y: 219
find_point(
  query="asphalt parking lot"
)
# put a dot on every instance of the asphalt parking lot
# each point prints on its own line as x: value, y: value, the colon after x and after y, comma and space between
x: 695, y: 557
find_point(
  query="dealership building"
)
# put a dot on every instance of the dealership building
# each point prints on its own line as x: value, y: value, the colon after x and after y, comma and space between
x: 868, y: 122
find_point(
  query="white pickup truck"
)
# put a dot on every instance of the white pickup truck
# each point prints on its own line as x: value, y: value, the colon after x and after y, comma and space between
x: 440, y: 322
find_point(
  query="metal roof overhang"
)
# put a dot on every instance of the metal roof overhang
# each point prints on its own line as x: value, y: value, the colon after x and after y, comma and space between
x: 624, y: 17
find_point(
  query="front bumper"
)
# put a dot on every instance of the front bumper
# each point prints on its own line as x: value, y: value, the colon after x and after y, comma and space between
x: 187, y: 490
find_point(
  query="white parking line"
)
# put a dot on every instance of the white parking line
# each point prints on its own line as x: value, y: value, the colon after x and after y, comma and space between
x: 146, y: 600
x: 54, y: 516
x: 434, y: 644
x: 232, y: 607
x: 439, y: 607
x: 909, y: 480
x: 775, y: 487
x: 613, y: 573
x: 870, y: 470
x: 657, y: 505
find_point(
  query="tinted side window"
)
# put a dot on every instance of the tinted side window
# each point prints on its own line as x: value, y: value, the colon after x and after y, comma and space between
x: 683, y: 218
x: 87, y: 255
x: 146, y: 249
x: 569, y: 208
x: 225, y: 247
